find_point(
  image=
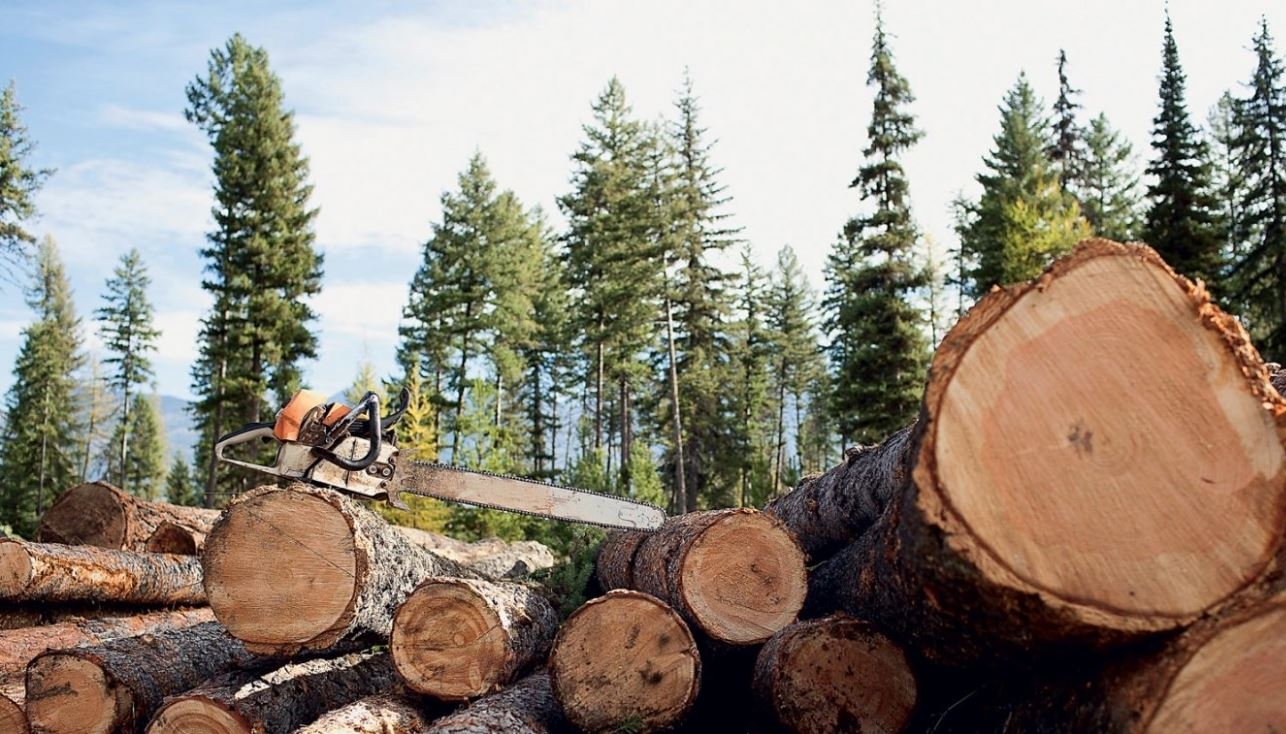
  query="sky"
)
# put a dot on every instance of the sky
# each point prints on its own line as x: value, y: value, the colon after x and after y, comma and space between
x: 392, y: 98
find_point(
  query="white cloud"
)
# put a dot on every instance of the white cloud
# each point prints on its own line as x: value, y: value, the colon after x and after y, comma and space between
x: 367, y: 310
x: 147, y: 120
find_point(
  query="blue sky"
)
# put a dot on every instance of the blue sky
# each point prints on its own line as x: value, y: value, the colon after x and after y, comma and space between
x: 391, y: 99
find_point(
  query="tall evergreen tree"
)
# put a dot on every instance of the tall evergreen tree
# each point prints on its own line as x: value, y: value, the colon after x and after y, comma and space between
x: 1180, y: 221
x: 125, y: 326
x: 1109, y: 187
x: 39, y: 445
x: 181, y: 487
x: 614, y: 261
x: 549, y: 363
x: 18, y: 181
x: 749, y: 385
x: 1024, y: 219
x: 1067, y: 150
x: 796, y: 359
x: 877, y: 346
x: 96, y: 406
x: 142, y: 469
x: 1227, y: 180
x: 261, y: 262
x: 1260, y: 276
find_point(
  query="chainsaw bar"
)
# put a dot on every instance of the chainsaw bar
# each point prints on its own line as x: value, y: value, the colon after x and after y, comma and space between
x: 525, y: 496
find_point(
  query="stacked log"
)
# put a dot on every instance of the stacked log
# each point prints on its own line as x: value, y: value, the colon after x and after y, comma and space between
x: 337, y: 570
x: 736, y: 575
x: 99, y: 514
x: 45, y: 572
x: 625, y: 659
x: 527, y: 707
x: 383, y: 713
x: 457, y: 639
x: 12, y: 718
x: 489, y: 557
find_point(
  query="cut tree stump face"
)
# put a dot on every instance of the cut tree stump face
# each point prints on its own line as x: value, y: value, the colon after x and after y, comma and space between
x: 67, y: 695
x: 453, y: 644
x: 1147, y: 481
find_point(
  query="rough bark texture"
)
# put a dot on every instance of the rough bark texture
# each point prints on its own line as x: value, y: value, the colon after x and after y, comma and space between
x: 736, y: 575
x: 827, y: 512
x: 383, y: 713
x: 99, y: 514
x: 526, y: 707
x: 836, y: 674
x: 1122, y: 494
x: 337, y: 570
x: 19, y: 646
x: 615, y: 562
x: 46, y: 572
x: 119, y: 685
x: 456, y: 639
x: 275, y: 703
x: 173, y: 538
x: 625, y: 659
x: 490, y: 557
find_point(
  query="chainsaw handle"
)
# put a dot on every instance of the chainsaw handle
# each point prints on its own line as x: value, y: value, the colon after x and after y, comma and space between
x: 369, y: 406
x: 246, y: 434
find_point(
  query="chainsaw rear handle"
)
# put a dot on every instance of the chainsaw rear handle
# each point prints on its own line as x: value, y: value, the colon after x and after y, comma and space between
x: 246, y: 434
x: 369, y: 406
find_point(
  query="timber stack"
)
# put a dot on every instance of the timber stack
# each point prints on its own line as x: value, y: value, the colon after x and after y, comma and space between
x: 1082, y: 531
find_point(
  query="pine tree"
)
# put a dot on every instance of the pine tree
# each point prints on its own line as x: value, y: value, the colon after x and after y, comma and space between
x: 18, y: 181
x: 261, y: 262
x: 96, y: 405
x: 125, y: 327
x: 1067, y: 152
x: 796, y: 359
x: 1260, y: 276
x: 877, y: 347
x: 749, y: 386
x: 1180, y: 221
x: 549, y: 362
x: 365, y: 381
x: 143, y: 468
x: 1024, y: 219
x: 1227, y: 180
x: 1109, y: 187
x: 613, y: 262
x: 39, y: 444
x: 181, y: 487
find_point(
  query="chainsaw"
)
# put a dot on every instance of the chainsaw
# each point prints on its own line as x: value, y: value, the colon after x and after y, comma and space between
x: 354, y: 450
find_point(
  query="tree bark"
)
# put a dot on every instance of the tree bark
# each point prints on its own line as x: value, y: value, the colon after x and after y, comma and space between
x: 1059, y: 499
x: 19, y: 646
x: 526, y: 707
x: 456, y: 639
x: 99, y: 514
x: 835, y: 674
x: 303, y: 568
x: 280, y: 701
x: 119, y: 685
x: 45, y: 572
x: 490, y: 557
x: 625, y: 659
x: 736, y: 575
x: 383, y: 713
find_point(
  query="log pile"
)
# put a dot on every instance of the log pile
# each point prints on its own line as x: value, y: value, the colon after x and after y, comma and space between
x: 1083, y: 530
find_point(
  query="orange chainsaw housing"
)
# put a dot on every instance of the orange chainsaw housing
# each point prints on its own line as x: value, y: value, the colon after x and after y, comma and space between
x: 291, y: 418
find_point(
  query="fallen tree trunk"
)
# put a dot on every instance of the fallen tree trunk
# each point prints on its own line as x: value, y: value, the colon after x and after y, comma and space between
x: 98, y: 514
x: 280, y: 701
x: 173, y: 538
x: 1059, y: 498
x: 456, y: 639
x: 383, y: 713
x: 117, y: 686
x: 625, y: 658
x: 490, y: 557
x: 19, y: 646
x: 337, y: 570
x: 736, y: 575
x: 835, y: 674
x: 47, y: 572
x: 19, y: 616
x: 526, y: 707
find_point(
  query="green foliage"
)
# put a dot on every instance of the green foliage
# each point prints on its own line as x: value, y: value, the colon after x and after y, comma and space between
x: 1067, y: 151
x: 260, y: 260
x: 877, y: 349
x: 365, y: 381
x: 144, y: 466
x: 795, y: 354
x: 424, y: 513
x: 181, y: 486
x: 38, y: 448
x: 1181, y: 218
x: 18, y: 181
x: 1024, y: 219
x: 1259, y: 278
x: 567, y: 584
x: 1108, y: 191
x: 750, y: 390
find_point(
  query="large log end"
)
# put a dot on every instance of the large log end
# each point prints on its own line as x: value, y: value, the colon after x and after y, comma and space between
x: 196, y: 715
x: 16, y: 569
x: 94, y: 513
x: 67, y: 694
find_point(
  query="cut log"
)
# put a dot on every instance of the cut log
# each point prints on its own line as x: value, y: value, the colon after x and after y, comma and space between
x: 173, y: 538
x: 19, y: 646
x: 526, y: 707
x: 625, y: 658
x: 119, y: 685
x: 456, y: 639
x: 12, y: 718
x: 383, y: 713
x: 736, y: 575
x: 99, y: 514
x: 835, y: 674
x: 16, y: 616
x: 47, y: 572
x: 304, y: 568
x: 280, y: 701
x: 1098, y: 457
x: 490, y: 557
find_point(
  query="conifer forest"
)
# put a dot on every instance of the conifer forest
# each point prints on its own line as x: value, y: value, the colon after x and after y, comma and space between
x: 631, y: 341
